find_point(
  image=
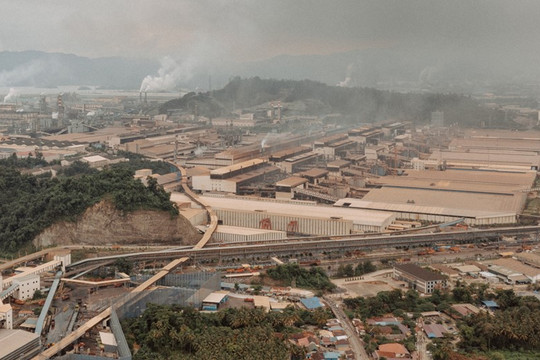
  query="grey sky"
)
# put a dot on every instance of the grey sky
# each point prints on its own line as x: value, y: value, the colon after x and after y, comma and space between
x: 255, y: 29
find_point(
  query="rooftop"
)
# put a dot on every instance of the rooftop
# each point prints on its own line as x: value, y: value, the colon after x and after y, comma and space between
x: 434, y: 330
x: 439, y: 202
x: 12, y: 340
x: 235, y: 167
x: 312, y: 303
x: 487, y: 157
x: 464, y: 180
x: 419, y: 272
x: 490, y: 303
x: 295, y: 209
x: 215, y: 297
x: 465, y: 309
x: 314, y: 173
x: 94, y: 158
x: 396, y: 348
x: 261, y: 301
x: 517, y: 267
x: 107, y: 338
x: 292, y: 181
x: 338, y: 163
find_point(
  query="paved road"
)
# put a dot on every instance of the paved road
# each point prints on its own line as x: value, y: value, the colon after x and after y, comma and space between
x: 421, y: 346
x: 356, y: 344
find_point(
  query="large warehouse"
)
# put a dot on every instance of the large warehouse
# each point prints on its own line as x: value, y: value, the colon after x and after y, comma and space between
x: 490, y: 149
x: 296, y: 216
x: 480, y: 197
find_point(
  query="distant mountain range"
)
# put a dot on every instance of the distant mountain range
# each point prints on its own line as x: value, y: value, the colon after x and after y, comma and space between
x: 393, y: 69
x: 41, y: 69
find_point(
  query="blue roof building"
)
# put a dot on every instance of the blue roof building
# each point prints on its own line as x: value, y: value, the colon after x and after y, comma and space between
x: 490, y: 304
x: 331, y: 355
x: 312, y: 303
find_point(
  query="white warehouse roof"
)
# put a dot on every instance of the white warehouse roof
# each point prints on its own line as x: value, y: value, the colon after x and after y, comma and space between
x: 357, y: 216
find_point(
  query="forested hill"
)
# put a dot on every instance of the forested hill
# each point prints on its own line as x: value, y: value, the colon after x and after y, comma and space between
x: 29, y: 204
x: 363, y: 104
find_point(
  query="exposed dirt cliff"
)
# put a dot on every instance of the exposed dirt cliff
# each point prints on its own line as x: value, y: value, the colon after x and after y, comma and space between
x: 103, y: 224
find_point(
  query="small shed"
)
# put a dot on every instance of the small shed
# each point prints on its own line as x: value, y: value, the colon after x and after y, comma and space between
x: 214, y: 300
x: 109, y: 342
x: 490, y: 304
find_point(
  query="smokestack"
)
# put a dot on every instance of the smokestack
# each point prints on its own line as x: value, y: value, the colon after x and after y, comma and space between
x: 145, y: 98
x: 140, y: 97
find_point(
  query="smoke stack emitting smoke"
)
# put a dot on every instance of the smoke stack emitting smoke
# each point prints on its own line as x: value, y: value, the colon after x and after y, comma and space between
x: 349, y: 79
x: 11, y: 96
x: 169, y: 75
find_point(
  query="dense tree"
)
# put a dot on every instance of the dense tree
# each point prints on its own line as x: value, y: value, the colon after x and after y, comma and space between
x: 366, y: 104
x: 314, y: 278
x: 29, y: 204
x: 173, y: 332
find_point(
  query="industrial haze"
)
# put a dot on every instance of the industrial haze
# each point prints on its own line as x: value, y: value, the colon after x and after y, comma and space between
x: 458, y: 46
x: 355, y: 179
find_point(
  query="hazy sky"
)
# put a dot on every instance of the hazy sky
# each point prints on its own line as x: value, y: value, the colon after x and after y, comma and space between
x: 256, y: 29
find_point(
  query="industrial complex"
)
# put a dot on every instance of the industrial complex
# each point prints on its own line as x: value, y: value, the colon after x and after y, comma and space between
x: 266, y: 186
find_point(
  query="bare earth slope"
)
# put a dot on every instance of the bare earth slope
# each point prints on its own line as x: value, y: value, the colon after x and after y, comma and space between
x: 103, y: 224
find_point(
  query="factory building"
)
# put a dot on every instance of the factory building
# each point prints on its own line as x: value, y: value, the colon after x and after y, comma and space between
x: 295, y: 163
x: 514, y: 272
x: 27, y: 286
x: 419, y: 278
x: 334, y: 146
x: 296, y: 217
x: 480, y: 197
x: 234, y: 234
x: 285, y: 188
x: 6, y: 316
x: 336, y: 167
x: 490, y: 149
x: 393, y: 129
x: 230, y: 178
x: 505, y: 160
x: 18, y: 344
x: 366, y: 135
x: 282, y: 155
x: 315, y: 176
x: 95, y: 161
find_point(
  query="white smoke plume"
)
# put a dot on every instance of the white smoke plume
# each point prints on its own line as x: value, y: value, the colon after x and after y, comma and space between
x: 264, y: 141
x: 169, y: 75
x: 350, y: 78
x: 11, y: 96
x: 21, y: 73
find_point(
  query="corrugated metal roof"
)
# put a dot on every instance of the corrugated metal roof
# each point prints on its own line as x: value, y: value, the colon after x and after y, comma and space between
x: 357, y: 216
x: 437, y: 203
x: 234, y: 167
x: 311, y: 303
